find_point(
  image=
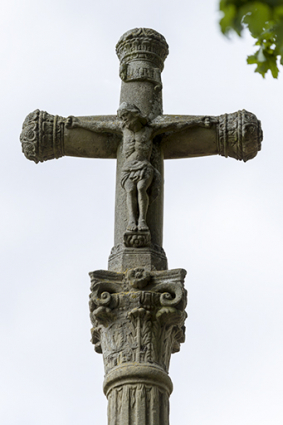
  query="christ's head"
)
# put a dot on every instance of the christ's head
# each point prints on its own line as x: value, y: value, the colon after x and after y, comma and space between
x: 131, y: 115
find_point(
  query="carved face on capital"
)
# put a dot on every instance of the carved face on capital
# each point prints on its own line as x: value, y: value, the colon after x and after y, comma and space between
x: 138, y: 278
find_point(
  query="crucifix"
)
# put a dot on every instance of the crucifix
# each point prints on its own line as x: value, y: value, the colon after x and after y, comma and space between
x: 137, y: 306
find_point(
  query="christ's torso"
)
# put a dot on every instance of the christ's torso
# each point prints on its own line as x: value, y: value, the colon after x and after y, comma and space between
x: 137, y: 146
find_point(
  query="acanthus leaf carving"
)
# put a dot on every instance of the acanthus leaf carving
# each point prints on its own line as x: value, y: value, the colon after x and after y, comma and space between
x: 138, y: 316
x: 103, y: 315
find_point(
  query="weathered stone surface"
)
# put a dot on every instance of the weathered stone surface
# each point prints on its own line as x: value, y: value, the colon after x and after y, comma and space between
x: 42, y: 137
x: 142, y: 52
x: 140, y: 146
x: 239, y: 135
x: 151, y: 258
x: 141, y: 399
x: 138, y: 321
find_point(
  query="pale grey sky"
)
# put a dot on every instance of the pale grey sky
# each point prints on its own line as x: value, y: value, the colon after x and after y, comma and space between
x: 223, y: 218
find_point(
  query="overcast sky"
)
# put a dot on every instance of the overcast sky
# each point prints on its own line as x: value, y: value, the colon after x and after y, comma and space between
x: 223, y: 218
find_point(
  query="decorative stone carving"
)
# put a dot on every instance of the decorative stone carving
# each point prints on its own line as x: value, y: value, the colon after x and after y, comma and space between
x: 137, y: 239
x: 239, y: 135
x: 139, y: 178
x: 142, y: 53
x: 148, y: 300
x: 138, y: 174
x: 138, y: 321
x: 137, y: 278
x: 46, y: 136
x: 42, y: 136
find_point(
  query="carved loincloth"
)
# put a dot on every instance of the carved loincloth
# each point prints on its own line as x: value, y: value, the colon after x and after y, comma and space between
x: 142, y: 170
x: 136, y: 171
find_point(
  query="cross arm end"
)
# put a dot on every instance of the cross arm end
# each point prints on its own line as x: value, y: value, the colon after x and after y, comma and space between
x: 237, y: 135
x: 46, y: 136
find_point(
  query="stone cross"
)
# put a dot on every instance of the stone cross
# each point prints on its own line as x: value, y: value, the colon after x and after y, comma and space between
x: 137, y: 306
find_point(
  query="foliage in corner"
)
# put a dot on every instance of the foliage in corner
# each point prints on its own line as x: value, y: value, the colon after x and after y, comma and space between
x: 264, y: 20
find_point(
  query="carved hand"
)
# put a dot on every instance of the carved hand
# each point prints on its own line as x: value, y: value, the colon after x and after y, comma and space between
x: 72, y: 122
x: 205, y: 122
x: 208, y: 121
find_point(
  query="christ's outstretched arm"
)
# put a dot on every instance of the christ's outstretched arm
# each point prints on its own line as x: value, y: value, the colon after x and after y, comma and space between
x: 237, y: 135
x: 174, y: 123
x: 95, y: 124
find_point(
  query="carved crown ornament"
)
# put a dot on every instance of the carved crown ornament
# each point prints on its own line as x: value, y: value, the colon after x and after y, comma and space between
x: 145, y: 44
x: 142, y: 53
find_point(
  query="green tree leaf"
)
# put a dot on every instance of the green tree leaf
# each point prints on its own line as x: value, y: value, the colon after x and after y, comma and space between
x: 264, y: 21
x: 256, y: 17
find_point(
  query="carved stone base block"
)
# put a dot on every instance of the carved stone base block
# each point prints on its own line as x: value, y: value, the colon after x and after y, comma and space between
x: 137, y: 239
x: 138, y: 321
x: 150, y: 258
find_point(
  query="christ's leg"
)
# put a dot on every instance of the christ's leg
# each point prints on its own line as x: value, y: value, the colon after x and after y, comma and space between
x: 131, y: 191
x: 143, y: 202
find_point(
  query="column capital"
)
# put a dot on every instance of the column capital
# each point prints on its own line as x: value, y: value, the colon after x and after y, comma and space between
x: 137, y: 316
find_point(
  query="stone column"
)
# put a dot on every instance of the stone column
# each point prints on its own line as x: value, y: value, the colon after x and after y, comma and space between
x: 138, y: 321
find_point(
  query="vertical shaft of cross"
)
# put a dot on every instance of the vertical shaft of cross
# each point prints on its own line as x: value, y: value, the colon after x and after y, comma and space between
x: 141, y: 53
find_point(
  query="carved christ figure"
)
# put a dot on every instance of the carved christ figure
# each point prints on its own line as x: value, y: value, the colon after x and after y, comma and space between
x: 138, y: 174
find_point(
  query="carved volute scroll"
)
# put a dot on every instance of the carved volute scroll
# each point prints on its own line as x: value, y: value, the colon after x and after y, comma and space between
x: 138, y: 322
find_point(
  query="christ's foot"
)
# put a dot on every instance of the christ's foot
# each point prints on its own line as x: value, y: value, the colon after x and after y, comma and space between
x: 131, y: 226
x: 143, y: 226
